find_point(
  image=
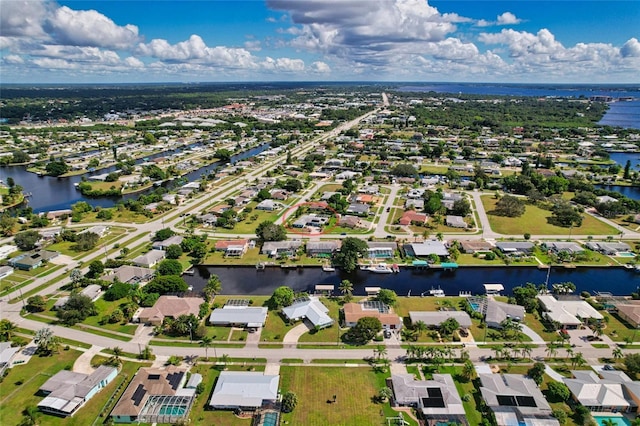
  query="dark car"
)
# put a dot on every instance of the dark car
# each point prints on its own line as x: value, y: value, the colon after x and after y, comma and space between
x: 608, y: 367
x: 387, y: 334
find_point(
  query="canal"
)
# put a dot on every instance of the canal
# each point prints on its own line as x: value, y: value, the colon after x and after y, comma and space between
x: 250, y: 281
x: 51, y: 193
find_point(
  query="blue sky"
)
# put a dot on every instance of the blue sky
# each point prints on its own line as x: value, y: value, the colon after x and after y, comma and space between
x: 331, y: 40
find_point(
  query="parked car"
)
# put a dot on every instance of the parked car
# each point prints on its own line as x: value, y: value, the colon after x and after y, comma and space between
x: 387, y: 334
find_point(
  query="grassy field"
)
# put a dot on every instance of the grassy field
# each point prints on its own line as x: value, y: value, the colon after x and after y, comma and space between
x: 534, y: 221
x: 406, y: 304
x: 315, y: 386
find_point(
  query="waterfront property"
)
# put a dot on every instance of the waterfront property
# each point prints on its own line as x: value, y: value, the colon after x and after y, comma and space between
x: 244, y: 390
x: 168, y: 307
x: 323, y: 248
x: 566, y: 247
x: 496, y: 312
x: 569, y: 313
x: 426, y: 249
x: 235, y: 248
x: 516, y: 400
x: 609, y: 248
x: 280, y: 248
x: 515, y: 248
x: 311, y: 309
x: 381, y: 249
x: 155, y: 395
x: 630, y: 312
x: 67, y: 391
x: 354, y: 311
x: 437, y: 400
x: 475, y: 246
x: 237, y: 312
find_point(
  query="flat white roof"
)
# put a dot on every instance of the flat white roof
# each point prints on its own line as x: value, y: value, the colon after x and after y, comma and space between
x: 493, y: 287
x: 244, y: 389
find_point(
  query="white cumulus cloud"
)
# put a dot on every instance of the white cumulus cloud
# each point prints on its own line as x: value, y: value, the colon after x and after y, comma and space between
x: 508, y: 18
x: 631, y: 48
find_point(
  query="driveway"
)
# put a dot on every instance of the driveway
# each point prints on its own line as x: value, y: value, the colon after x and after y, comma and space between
x: 291, y: 338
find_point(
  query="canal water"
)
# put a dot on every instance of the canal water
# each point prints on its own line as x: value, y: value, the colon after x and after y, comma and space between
x: 51, y: 193
x: 250, y: 281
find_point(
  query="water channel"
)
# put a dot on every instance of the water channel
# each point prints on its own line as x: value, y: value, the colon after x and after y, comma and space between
x: 250, y: 281
x: 51, y: 193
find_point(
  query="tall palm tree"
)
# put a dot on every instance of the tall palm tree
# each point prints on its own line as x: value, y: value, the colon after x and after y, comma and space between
x: 578, y: 360
x: 569, y: 353
x: 225, y: 360
x: 346, y: 288
x: 205, y: 342
x: 420, y: 327
x: 617, y: 354
x: 552, y: 351
x: 117, y: 353
x: 213, y: 287
x: 526, y: 351
x: 7, y: 329
x: 380, y: 351
x: 468, y: 370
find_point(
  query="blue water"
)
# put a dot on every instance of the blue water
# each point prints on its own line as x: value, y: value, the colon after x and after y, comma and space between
x: 172, y: 410
x: 620, y: 421
x: 270, y: 419
x: 623, y: 114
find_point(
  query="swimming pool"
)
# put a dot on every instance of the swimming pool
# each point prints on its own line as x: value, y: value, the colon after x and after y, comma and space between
x: 475, y: 306
x: 172, y: 410
x: 270, y: 418
x: 625, y: 254
x: 618, y: 420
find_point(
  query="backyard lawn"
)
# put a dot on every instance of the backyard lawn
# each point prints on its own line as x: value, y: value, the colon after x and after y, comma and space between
x: 330, y: 334
x: 536, y: 223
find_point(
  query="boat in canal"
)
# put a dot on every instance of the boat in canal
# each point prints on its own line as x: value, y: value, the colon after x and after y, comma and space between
x: 380, y: 268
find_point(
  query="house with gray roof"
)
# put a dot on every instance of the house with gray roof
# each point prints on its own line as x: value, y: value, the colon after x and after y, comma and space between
x: 437, y: 399
x: 569, y: 313
x: 130, y: 274
x: 381, y: 249
x: 149, y: 259
x: 311, y: 309
x: 244, y: 390
x: 516, y: 248
x: 280, y: 248
x: 5, y: 271
x: 162, y: 245
x: 240, y: 316
x: 497, y: 312
x: 562, y: 246
x: 7, y: 352
x: 455, y: 221
x: 426, y: 249
x: 319, y: 248
x: 516, y: 400
x: 92, y: 291
x: 67, y: 391
x: 601, y: 394
x: 268, y: 205
x: 609, y: 248
x: 434, y: 319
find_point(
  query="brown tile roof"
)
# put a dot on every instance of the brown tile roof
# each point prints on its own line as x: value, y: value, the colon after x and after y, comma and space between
x: 630, y: 310
x: 223, y: 245
x: 172, y: 306
x: 354, y: 311
x: 148, y: 382
x: 410, y: 216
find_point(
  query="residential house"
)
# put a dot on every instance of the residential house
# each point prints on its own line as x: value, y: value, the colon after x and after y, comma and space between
x: 426, y: 249
x: 244, y: 390
x: 515, y: 248
x: 66, y: 391
x: 280, y: 248
x: 475, y: 246
x: 437, y: 399
x: 560, y: 246
x: 349, y: 221
x: 6, y: 250
x: 455, y: 221
x: 268, y: 205
x: 414, y: 203
x: 311, y: 309
x: 630, y: 312
x: 434, y: 319
x: 5, y: 271
x: 496, y: 312
x: 169, y: 307
x: 56, y: 214
x: 411, y: 217
x: 149, y: 259
x: 130, y: 274
x: 359, y: 209
x: 155, y: 395
x: 569, y: 314
x: 516, y: 400
x: 279, y: 194
x: 92, y: 291
x: 609, y: 248
x: 163, y: 245
x: 354, y: 311
x: 317, y: 206
x: 603, y: 199
x: 236, y: 248
x: 601, y: 394
x: 239, y: 315
x: 7, y: 353
x: 33, y: 259
x: 99, y: 230
x: 347, y: 174
x: 381, y: 249
x: 207, y: 219
x: 450, y: 198
x: 323, y: 248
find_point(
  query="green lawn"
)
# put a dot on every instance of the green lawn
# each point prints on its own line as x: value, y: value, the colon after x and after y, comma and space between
x: 275, y: 328
x: 330, y: 334
x: 534, y: 221
x: 474, y: 416
x: 617, y: 329
x: 406, y: 304
x: 314, y: 386
x: 105, y: 308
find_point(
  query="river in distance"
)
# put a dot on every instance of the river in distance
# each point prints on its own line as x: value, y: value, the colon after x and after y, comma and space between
x: 245, y: 280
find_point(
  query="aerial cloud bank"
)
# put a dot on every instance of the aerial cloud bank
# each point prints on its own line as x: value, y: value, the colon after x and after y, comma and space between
x: 328, y: 39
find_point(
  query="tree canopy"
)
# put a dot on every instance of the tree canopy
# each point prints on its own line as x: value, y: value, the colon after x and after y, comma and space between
x: 509, y: 206
x: 281, y: 297
x: 269, y: 231
x: 170, y: 267
x: 26, y: 240
x: 365, y: 329
x: 350, y: 251
x: 166, y: 284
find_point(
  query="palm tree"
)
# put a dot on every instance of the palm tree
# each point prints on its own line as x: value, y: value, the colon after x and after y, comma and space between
x: 617, y: 354
x: 468, y: 370
x: 213, y: 287
x: 225, y: 360
x: 384, y: 394
x: 205, y: 342
x: 420, y: 327
x: 46, y: 341
x: 578, y: 360
x: 569, y: 353
x: 498, y: 351
x: 552, y: 351
x: 526, y: 350
x: 380, y: 351
x: 346, y: 288
x: 117, y: 353
x: 7, y: 329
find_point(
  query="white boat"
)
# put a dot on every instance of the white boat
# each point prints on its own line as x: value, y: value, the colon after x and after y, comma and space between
x: 328, y: 268
x: 380, y: 268
x: 637, y: 268
x: 260, y: 266
x: 436, y: 292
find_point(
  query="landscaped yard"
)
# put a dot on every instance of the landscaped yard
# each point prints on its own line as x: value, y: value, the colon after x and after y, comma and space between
x: 275, y: 328
x: 19, y: 388
x: 534, y: 221
x: 330, y: 334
